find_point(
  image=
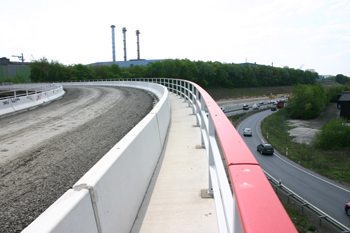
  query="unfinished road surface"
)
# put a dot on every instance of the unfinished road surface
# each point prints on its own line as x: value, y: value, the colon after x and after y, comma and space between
x: 44, y: 151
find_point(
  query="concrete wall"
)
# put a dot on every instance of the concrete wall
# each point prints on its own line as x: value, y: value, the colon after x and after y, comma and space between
x: 117, y: 183
x: 11, y: 71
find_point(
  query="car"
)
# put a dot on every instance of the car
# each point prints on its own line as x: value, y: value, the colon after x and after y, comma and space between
x: 223, y: 109
x: 245, y: 107
x: 247, y: 132
x: 261, y: 102
x: 347, y: 208
x: 265, y: 148
x: 273, y: 108
x: 256, y: 106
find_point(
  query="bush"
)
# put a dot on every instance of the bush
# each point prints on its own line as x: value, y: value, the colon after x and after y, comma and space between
x: 333, y: 91
x: 335, y: 134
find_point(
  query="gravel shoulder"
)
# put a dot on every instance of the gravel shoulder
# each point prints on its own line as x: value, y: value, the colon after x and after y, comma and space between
x: 43, y: 152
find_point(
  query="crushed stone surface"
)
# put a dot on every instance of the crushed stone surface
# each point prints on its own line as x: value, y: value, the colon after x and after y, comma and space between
x: 44, y: 151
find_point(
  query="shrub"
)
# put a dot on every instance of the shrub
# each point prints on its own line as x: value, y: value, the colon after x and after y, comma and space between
x: 335, y: 134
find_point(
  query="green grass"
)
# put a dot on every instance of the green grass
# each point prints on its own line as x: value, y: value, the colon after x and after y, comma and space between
x: 300, y: 221
x: 333, y: 164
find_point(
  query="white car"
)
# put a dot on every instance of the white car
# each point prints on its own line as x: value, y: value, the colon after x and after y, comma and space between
x: 256, y: 106
x: 247, y: 132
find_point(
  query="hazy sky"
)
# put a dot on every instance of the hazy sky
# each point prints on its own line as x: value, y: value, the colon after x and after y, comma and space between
x: 306, y: 34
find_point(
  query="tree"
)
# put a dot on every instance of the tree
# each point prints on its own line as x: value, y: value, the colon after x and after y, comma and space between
x: 81, y: 72
x: 307, y: 102
x: 39, y: 70
x: 342, y: 79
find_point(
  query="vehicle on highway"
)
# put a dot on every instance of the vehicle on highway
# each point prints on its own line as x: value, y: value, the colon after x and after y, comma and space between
x: 347, y: 208
x: 247, y: 132
x: 223, y: 109
x: 265, y: 148
x: 256, y: 106
x: 245, y: 107
x: 261, y: 102
x: 273, y: 108
x: 280, y: 104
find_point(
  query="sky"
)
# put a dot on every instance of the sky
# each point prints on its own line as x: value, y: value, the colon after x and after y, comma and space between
x: 300, y: 34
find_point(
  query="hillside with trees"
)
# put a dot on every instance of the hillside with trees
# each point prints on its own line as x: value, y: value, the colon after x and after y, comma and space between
x: 206, y: 74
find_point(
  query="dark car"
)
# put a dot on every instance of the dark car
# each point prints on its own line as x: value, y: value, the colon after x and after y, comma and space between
x: 265, y: 148
x: 245, y: 107
x: 347, y: 208
x: 273, y: 108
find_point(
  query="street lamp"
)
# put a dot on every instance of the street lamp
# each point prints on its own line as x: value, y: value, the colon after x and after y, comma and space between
x: 20, y: 57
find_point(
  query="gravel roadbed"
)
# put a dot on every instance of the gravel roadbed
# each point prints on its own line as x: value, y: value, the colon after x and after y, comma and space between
x: 44, y: 151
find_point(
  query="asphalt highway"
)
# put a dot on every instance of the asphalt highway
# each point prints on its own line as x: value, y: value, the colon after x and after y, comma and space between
x: 323, y: 193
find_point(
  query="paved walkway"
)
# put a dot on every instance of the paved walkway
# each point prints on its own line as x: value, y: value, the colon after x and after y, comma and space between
x: 173, y: 202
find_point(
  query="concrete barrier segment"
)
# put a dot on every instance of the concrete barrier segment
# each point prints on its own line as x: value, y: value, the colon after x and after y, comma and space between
x: 72, y: 212
x: 6, y: 107
x: 125, y: 172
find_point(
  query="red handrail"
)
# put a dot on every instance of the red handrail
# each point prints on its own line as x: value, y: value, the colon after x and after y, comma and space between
x: 258, y: 206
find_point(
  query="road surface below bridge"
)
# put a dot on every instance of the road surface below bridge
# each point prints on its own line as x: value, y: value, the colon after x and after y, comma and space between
x: 44, y: 151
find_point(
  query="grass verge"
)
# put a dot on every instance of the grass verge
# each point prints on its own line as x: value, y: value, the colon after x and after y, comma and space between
x: 300, y: 221
x: 333, y: 164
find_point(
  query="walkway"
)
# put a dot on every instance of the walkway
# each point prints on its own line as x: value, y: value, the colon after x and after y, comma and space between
x: 173, y: 202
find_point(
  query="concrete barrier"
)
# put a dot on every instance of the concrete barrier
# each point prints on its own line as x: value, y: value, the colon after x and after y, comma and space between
x: 29, y: 101
x: 118, y: 182
x: 72, y: 211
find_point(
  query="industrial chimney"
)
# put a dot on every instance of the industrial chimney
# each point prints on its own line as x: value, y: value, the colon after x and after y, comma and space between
x: 124, y: 30
x: 138, y: 44
x: 113, y: 43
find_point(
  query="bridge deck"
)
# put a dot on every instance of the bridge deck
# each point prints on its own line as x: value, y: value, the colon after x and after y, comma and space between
x: 173, y: 201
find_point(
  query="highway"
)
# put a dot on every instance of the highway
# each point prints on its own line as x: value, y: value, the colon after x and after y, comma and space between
x: 323, y: 193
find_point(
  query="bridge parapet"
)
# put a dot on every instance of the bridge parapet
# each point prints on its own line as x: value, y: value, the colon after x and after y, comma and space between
x: 244, y: 199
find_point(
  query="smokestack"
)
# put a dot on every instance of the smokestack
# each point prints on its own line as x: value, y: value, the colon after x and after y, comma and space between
x: 138, y: 44
x: 124, y: 30
x: 113, y: 43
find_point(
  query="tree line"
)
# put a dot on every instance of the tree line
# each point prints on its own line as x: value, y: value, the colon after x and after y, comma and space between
x: 206, y: 74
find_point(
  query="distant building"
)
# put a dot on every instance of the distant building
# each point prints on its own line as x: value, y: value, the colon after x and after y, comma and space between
x: 130, y: 63
x: 248, y: 64
x: 311, y: 70
x: 8, y: 69
x: 344, y: 105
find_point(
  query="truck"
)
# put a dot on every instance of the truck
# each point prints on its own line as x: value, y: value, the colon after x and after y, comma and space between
x: 280, y: 104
